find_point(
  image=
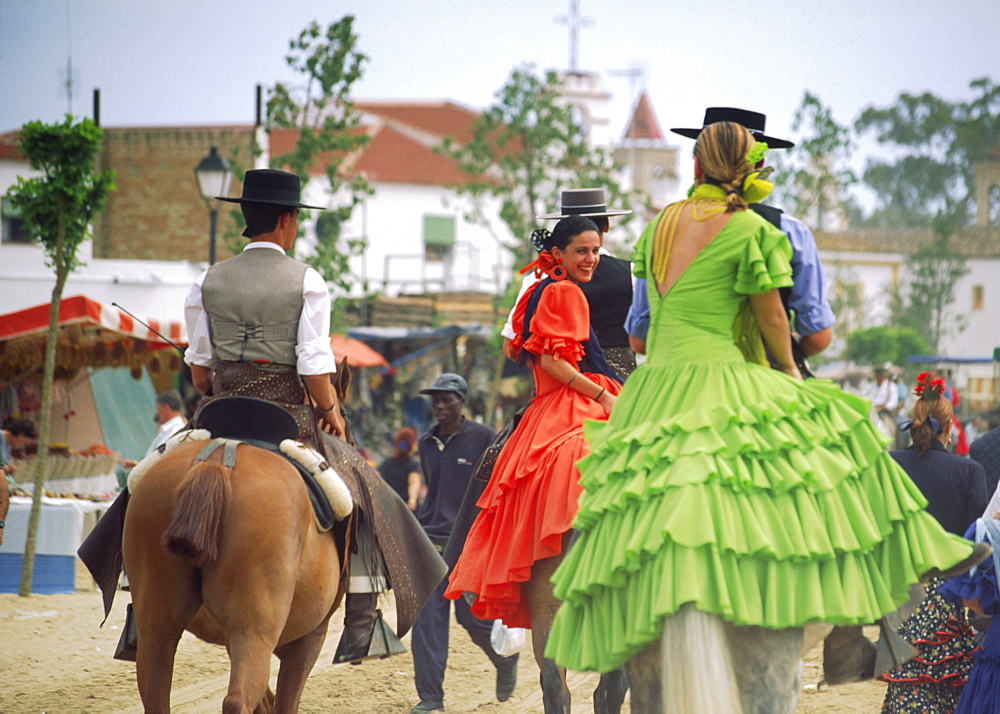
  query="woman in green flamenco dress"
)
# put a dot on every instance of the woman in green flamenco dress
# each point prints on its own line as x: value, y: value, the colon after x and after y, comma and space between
x: 727, y: 504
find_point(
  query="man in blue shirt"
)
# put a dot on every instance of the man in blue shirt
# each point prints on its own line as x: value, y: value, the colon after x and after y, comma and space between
x: 449, y: 452
x: 807, y: 298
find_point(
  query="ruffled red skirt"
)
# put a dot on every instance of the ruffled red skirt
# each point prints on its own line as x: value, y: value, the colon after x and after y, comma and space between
x: 528, y: 505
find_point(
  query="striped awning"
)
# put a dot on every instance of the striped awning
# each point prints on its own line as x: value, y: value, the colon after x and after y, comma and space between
x: 105, y: 321
x: 90, y: 335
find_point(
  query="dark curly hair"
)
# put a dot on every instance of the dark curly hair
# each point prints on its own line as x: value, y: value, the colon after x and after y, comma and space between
x: 564, y: 232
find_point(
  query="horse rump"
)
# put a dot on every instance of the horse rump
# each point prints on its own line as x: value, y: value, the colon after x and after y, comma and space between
x: 197, y: 517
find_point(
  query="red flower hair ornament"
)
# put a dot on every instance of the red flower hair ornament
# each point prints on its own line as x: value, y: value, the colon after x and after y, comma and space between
x: 545, y: 262
x: 928, y: 388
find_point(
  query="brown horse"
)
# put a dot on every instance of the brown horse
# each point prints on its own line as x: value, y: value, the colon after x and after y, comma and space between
x: 234, y: 556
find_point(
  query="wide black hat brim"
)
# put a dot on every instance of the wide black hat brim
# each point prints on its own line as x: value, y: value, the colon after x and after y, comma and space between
x: 771, y: 141
x: 611, y: 213
x: 290, y: 204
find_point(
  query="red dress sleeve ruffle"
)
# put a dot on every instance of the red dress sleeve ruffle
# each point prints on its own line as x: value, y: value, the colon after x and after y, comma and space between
x: 559, y: 326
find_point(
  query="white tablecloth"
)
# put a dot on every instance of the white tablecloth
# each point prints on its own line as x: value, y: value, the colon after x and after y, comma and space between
x: 61, y: 528
x: 97, y: 485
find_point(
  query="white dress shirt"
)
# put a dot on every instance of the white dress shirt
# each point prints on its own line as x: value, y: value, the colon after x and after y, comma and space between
x: 165, y: 431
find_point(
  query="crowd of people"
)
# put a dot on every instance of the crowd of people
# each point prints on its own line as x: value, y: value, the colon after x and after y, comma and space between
x: 715, y: 488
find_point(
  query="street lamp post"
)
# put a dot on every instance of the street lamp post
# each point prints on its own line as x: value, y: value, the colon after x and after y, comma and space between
x: 214, y: 176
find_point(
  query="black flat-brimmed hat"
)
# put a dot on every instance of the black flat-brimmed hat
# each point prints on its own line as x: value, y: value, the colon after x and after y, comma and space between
x: 589, y: 202
x: 280, y: 188
x: 754, y: 121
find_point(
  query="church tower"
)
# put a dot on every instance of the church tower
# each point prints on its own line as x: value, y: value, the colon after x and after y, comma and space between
x: 648, y: 162
x: 988, y: 190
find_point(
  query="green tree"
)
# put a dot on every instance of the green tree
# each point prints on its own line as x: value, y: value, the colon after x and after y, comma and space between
x: 57, y: 209
x: 878, y: 345
x: 934, y: 147
x: 923, y: 302
x: 524, y: 149
x: 813, y: 175
x: 327, y: 126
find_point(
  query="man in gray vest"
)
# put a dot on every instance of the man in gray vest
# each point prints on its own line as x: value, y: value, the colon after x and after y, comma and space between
x: 259, y: 326
x: 260, y: 321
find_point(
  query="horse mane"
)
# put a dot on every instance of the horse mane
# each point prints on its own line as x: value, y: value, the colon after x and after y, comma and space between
x: 342, y: 381
x: 197, y: 518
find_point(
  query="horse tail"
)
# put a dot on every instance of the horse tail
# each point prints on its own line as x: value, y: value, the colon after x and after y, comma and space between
x: 197, y: 518
x: 702, y: 680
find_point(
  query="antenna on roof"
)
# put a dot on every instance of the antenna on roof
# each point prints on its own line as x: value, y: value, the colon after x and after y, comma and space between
x: 68, y: 84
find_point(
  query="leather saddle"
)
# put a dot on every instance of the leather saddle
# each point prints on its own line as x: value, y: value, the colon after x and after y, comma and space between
x: 265, y: 425
x: 247, y: 418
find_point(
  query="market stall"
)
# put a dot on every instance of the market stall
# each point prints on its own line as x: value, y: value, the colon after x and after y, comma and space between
x: 103, y: 395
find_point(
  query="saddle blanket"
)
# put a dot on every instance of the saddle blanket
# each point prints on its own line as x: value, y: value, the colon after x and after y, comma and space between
x: 330, y: 482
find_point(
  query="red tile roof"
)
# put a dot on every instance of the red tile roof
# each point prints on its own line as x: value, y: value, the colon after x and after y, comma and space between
x: 403, y: 137
x: 439, y: 119
x: 393, y: 157
x: 8, y: 146
x: 282, y: 141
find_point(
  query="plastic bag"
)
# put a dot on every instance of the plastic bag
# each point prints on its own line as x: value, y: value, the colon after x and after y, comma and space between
x: 507, y: 641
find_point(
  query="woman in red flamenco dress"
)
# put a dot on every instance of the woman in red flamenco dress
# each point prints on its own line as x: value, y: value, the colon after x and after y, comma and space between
x: 528, y: 506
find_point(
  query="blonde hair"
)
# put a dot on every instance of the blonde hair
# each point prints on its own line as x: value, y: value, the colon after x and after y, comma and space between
x: 722, y: 150
x: 920, y: 430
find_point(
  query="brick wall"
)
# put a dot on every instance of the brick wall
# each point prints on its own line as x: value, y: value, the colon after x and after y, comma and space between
x: 156, y: 212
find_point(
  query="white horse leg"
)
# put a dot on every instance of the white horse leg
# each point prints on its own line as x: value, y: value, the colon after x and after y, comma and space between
x: 768, y: 667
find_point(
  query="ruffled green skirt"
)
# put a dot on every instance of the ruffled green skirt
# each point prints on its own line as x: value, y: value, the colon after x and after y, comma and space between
x: 764, y: 499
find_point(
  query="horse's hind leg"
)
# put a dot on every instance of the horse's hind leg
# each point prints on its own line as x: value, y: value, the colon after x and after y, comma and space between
x: 644, y: 678
x: 542, y: 604
x: 297, y: 660
x: 610, y: 692
x: 162, y: 608
x: 250, y: 655
x: 767, y: 666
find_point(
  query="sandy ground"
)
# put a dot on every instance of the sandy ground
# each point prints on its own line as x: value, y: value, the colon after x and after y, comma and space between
x: 55, y: 657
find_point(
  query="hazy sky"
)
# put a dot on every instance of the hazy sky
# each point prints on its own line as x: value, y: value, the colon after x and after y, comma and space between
x: 197, y: 61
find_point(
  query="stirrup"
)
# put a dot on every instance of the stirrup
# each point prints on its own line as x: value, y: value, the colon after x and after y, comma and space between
x: 127, y: 643
x: 384, y: 643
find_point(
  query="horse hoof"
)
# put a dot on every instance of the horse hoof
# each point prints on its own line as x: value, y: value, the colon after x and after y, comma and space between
x: 848, y: 656
x: 555, y: 693
x: 506, y: 678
